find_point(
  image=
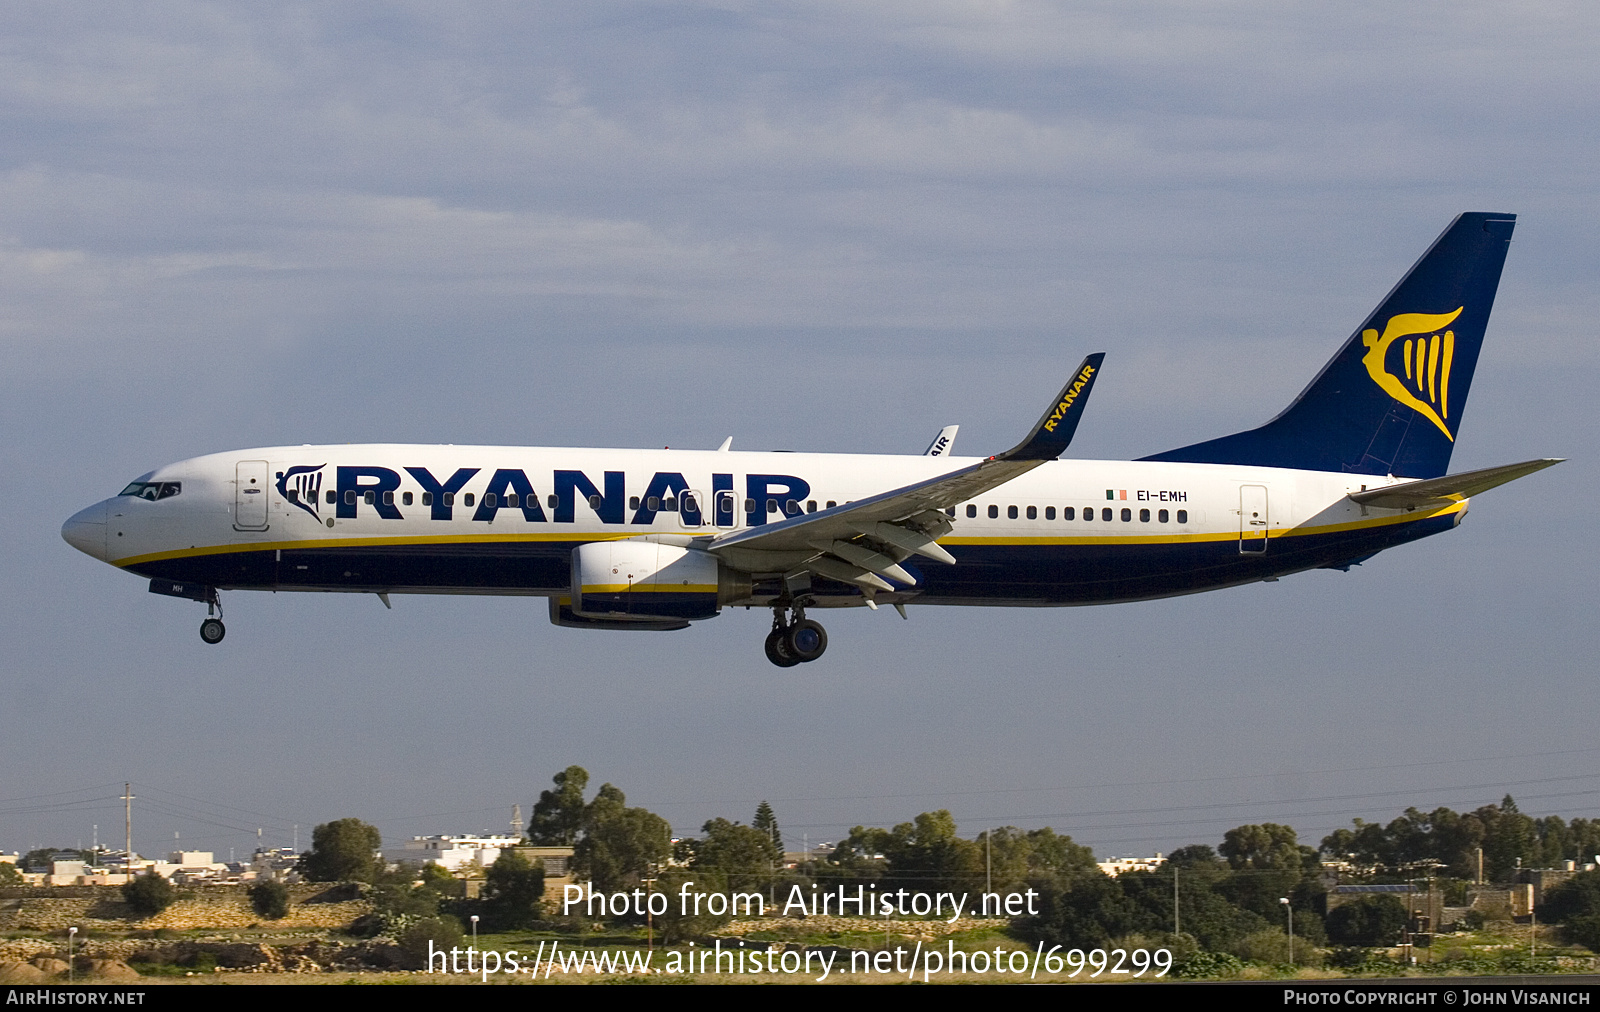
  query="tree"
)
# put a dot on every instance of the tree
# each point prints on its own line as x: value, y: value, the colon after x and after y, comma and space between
x: 619, y: 844
x: 148, y: 895
x: 9, y: 875
x: 512, y: 892
x: 270, y: 899
x: 444, y: 933
x: 767, y: 822
x: 342, y: 851
x: 1088, y: 915
x: 1370, y: 920
x: 1578, y: 896
x: 557, y: 817
x: 689, y: 914
x: 1268, y: 863
x: 928, y: 855
x: 736, y: 850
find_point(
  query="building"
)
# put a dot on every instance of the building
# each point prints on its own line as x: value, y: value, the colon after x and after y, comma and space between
x: 1117, y: 865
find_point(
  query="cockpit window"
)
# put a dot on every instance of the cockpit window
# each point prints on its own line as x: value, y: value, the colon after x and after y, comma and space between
x: 153, y: 490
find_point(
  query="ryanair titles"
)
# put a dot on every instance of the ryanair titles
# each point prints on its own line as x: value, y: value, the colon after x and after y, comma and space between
x: 1067, y: 399
x: 383, y: 492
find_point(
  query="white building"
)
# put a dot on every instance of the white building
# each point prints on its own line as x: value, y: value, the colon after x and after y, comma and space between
x: 1117, y: 865
x: 455, y: 853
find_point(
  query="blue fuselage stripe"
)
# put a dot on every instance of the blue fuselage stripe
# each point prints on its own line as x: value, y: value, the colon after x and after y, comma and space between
x: 990, y: 573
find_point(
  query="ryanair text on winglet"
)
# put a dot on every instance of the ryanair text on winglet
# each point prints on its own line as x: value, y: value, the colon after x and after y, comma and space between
x: 1066, y: 402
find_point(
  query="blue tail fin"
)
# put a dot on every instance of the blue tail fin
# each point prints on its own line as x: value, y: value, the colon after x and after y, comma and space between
x: 1390, y: 401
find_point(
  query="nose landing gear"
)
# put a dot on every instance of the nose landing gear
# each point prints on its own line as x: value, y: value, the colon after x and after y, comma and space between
x: 796, y: 641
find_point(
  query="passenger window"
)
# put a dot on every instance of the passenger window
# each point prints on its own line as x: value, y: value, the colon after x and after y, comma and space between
x: 1162, y: 515
x: 831, y: 504
x: 1011, y: 512
x: 994, y: 512
x: 1049, y: 512
x: 427, y: 498
x: 687, y: 503
x: 1127, y: 515
x: 749, y: 505
x: 811, y: 505
x: 350, y: 497
x: 791, y: 507
x: 633, y: 502
x: 388, y: 498
x: 1069, y: 513
x: 294, y: 495
x: 1033, y: 513
x: 972, y: 510
x: 551, y: 500
x: 1105, y: 514
x: 772, y: 505
x: 950, y: 511
x: 466, y: 500
x: 653, y: 503
x: 1144, y: 516
x: 369, y: 497
x: 511, y: 498
x: 594, y: 502
x: 1088, y: 513
x: 405, y: 499
x: 490, y: 500
x: 669, y: 504
x: 449, y: 498
x: 333, y: 497
x: 1183, y: 516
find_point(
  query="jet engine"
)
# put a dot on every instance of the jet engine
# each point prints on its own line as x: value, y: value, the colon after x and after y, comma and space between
x: 645, y: 581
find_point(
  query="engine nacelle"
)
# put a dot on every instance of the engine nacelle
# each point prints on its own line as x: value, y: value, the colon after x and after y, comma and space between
x: 646, y: 581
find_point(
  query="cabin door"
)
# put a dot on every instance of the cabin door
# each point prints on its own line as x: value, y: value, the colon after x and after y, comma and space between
x: 250, y: 495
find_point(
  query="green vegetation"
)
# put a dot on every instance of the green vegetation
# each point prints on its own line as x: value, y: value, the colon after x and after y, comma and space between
x: 148, y: 895
x: 512, y: 893
x: 342, y: 851
x: 270, y: 900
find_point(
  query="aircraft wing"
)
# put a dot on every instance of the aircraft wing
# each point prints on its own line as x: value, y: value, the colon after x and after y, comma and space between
x: 857, y: 541
x: 1451, y: 488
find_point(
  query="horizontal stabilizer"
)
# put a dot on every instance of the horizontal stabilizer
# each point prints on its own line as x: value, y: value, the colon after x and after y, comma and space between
x: 1451, y: 488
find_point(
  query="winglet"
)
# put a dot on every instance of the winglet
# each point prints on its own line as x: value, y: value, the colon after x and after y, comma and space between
x: 1054, y: 430
x: 940, y: 447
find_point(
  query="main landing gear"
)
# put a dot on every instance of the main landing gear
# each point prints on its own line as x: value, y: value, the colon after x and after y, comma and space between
x: 795, y: 641
x: 212, y: 630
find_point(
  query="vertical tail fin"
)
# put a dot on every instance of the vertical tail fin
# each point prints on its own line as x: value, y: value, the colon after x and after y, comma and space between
x: 1390, y: 401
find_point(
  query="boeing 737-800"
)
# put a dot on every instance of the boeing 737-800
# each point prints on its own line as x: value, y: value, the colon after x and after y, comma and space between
x: 656, y: 539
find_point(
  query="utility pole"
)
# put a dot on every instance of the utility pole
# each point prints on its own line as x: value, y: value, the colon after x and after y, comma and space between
x: 127, y: 821
x: 1174, y: 899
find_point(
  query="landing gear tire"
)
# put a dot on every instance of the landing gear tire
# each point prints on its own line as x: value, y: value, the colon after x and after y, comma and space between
x: 806, y: 640
x: 212, y: 630
x: 778, y: 649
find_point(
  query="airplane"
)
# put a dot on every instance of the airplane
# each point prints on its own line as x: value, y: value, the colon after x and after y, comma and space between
x: 636, y: 539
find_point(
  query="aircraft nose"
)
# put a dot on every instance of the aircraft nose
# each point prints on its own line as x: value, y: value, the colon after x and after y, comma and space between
x: 85, y: 530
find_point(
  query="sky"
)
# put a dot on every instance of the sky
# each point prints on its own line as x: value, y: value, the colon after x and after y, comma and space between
x: 809, y: 225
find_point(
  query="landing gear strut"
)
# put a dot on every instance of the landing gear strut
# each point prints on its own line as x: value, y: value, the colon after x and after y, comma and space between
x: 212, y: 630
x: 795, y: 641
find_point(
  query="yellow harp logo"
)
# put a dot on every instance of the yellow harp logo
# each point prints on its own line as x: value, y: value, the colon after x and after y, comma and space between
x: 1428, y: 356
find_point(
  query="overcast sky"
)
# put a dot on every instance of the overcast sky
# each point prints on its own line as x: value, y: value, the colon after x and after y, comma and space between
x: 821, y: 226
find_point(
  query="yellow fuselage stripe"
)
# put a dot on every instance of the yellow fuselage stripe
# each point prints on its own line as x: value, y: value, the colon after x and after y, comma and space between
x: 1053, y: 539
